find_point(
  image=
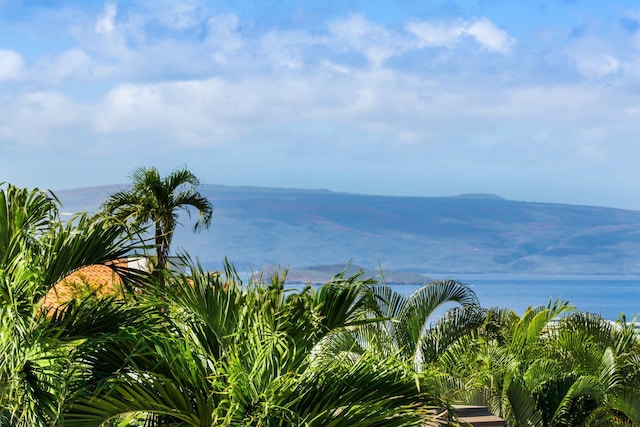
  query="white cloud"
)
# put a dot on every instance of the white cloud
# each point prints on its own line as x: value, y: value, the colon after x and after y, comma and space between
x: 380, y: 104
x: 435, y: 34
x: 223, y: 37
x: 597, y: 65
x: 72, y: 64
x: 189, y: 112
x: 286, y: 49
x: 34, y: 117
x: 178, y: 14
x: 489, y: 36
x: 449, y: 35
x: 11, y: 65
x: 219, y: 44
x: 595, y: 55
x: 105, y: 24
x: 374, y: 41
x: 182, y: 77
x: 142, y: 23
x: 334, y: 68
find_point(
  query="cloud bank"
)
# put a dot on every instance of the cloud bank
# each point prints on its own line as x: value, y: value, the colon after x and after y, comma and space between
x: 430, y: 103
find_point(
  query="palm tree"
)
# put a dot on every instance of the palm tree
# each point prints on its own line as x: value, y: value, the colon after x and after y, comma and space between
x: 36, y: 252
x: 408, y: 328
x: 24, y: 215
x: 247, y: 355
x: 491, y: 364
x: 595, y: 369
x: 157, y: 200
x: 536, y: 371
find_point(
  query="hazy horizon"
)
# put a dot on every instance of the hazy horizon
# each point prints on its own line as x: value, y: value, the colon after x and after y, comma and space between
x: 114, y: 186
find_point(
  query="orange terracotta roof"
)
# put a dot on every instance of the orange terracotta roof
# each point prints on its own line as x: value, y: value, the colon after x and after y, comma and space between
x: 94, y: 278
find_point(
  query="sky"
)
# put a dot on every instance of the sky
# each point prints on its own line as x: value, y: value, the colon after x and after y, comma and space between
x: 534, y: 100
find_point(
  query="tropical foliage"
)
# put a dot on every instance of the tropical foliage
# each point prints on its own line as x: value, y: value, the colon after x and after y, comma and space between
x: 542, y: 370
x: 352, y: 352
x: 156, y: 200
x: 235, y: 354
x: 36, y: 252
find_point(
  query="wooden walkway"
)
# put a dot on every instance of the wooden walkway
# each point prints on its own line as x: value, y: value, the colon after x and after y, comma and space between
x: 477, y: 416
x: 467, y: 416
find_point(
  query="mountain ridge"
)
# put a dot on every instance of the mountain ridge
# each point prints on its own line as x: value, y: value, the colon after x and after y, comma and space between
x: 475, y: 233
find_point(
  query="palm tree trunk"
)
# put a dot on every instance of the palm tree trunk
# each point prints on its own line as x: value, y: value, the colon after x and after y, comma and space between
x: 160, y: 252
x: 161, y: 262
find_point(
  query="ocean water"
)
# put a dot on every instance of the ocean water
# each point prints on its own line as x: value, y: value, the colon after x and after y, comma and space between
x: 608, y: 296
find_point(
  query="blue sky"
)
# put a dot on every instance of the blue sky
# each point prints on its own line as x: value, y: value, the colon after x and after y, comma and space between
x: 531, y: 100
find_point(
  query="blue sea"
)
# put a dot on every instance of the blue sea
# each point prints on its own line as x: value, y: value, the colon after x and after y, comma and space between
x: 608, y: 296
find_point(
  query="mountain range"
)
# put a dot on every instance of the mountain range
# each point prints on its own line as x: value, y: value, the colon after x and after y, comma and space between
x: 257, y: 228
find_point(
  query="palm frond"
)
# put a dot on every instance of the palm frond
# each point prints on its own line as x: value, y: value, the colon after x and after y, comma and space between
x: 365, y: 393
x: 145, y: 395
x: 453, y: 325
x: 535, y: 321
x: 89, y: 241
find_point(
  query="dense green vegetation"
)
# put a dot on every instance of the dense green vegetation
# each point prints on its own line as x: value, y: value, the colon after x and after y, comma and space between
x: 156, y: 201
x: 211, y: 350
